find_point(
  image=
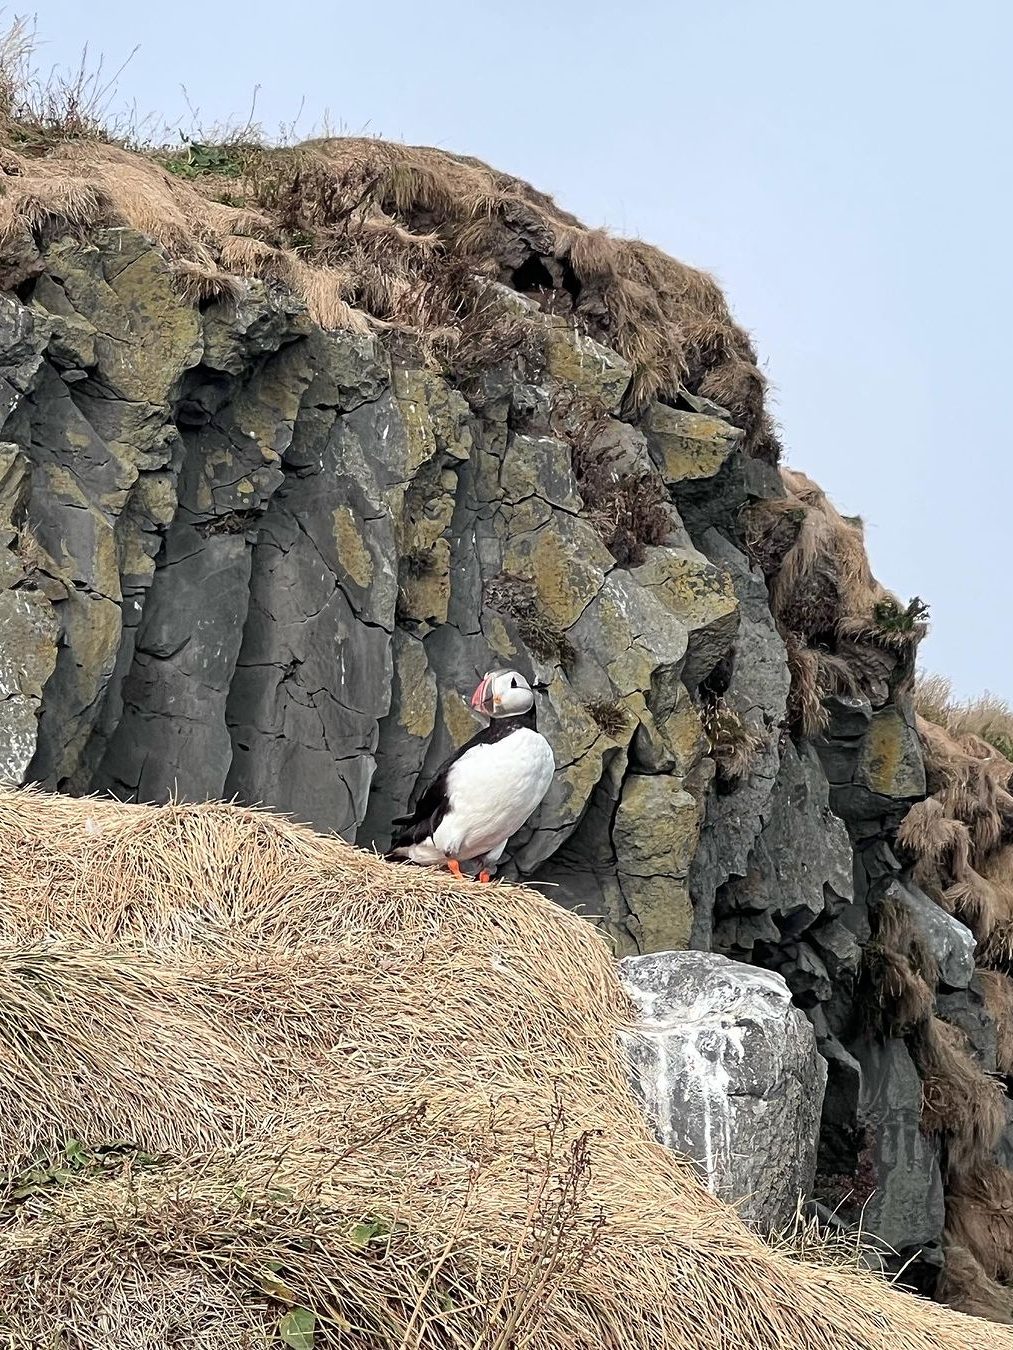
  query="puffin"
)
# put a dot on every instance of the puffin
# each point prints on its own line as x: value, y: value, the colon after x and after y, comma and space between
x: 486, y: 790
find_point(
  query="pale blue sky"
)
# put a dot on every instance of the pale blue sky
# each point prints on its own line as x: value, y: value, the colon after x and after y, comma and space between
x: 844, y: 170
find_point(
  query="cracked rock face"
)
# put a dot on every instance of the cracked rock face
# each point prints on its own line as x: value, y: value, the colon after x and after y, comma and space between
x: 247, y: 558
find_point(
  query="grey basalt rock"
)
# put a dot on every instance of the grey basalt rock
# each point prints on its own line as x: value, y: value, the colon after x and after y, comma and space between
x: 951, y: 943
x: 758, y: 692
x: 803, y: 853
x: 728, y: 1073
x: 902, y: 1190
x: 28, y: 629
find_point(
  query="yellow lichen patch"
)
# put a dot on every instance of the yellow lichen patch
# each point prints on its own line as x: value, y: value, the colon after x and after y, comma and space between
x: 497, y: 635
x: 892, y: 762
x: 683, y: 732
x: 688, y: 445
x: 579, y: 363
x: 663, y: 918
x: 425, y: 595
x: 566, y: 563
x: 458, y: 718
x: 353, y: 554
x: 417, y: 712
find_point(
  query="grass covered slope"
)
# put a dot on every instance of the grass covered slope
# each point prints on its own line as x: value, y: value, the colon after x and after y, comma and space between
x: 258, y: 1082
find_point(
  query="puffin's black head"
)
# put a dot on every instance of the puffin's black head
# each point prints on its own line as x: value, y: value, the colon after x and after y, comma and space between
x: 503, y: 693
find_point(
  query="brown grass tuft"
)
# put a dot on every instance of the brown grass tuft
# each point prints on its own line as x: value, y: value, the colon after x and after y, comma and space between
x: 823, y: 586
x: 518, y: 600
x: 627, y: 509
x: 998, y: 991
x: 932, y: 836
x: 961, y: 1102
x: 965, y: 1286
x: 979, y: 1216
x: 207, y: 285
x: 933, y: 697
x: 627, y: 505
x: 987, y: 717
x: 900, y: 970
x: 610, y: 714
x: 845, y: 633
x: 957, y: 838
x: 733, y: 744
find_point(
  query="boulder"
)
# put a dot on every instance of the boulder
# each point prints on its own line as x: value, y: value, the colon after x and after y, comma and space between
x: 728, y: 1072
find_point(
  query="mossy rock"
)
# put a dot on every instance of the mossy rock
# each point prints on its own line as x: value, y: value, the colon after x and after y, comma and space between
x: 891, y: 762
x: 687, y: 446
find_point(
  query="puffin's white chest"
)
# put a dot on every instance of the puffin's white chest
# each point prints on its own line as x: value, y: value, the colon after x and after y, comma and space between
x: 491, y: 792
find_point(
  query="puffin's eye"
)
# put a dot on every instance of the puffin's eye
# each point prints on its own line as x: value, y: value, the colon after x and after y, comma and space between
x: 513, y: 684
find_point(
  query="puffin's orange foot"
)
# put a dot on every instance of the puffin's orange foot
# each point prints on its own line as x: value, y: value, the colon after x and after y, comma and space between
x: 483, y: 876
x: 455, y: 868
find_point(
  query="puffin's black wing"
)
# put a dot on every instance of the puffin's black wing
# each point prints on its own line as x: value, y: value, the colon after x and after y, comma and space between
x: 433, y: 805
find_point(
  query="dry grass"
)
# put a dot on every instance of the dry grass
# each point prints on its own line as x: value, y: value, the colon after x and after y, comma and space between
x: 733, y: 744
x: 965, y: 1286
x: 933, y: 697
x: 961, y: 1103
x: 627, y: 505
x: 844, y: 632
x: 518, y: 600
x: 979, y: 1216
x: 206, y: 285
x: 627, y: 509
x: 958, y: 838
x: 359, y: 1098
x: 610, y: 714
x: 998, y: 991
x: 822, y: 586
x: 372, y: 235
x: 987, y: 717
x: 900, y: 969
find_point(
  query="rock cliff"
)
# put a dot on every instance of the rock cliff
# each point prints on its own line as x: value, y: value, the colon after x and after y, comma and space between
x: 259, y: 537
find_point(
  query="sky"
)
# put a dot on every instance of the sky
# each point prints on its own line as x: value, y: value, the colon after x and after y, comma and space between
x: 843, y: 169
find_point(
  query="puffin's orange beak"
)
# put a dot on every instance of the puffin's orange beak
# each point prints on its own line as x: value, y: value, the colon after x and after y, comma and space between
x: 480, y: 695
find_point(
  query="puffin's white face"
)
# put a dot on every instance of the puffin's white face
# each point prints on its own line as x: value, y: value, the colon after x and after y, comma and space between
x: 503, y: 693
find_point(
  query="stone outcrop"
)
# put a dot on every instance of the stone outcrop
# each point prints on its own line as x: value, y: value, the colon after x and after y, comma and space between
x: 728, y: 1072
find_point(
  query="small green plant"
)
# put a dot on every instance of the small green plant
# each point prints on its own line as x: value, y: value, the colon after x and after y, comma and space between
x: 892, y: 619
x: 296, y: 1329
x: 74, y: 1160
x: 196, y: 159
